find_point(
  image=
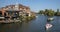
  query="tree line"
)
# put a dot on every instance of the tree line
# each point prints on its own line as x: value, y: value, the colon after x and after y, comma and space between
x: 49, y: 12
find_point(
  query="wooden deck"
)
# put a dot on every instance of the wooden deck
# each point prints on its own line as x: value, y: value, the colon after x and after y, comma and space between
x: 9, y: 21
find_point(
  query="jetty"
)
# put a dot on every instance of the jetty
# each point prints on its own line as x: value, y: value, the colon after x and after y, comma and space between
x: 10, y: 21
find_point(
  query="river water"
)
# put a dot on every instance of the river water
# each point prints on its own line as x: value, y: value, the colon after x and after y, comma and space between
x: 35, y: 25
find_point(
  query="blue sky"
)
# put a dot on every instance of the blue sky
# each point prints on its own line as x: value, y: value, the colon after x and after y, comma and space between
x: 35, y: 5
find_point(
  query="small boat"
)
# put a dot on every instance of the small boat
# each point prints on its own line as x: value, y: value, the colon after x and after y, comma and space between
x: 50, y: 19
x: 2, y: 17
x: 48, y: 26
x: 36, y: 16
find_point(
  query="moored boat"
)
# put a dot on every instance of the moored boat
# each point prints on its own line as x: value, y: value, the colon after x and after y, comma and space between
x: 2, y: 17
x: 36, y: 16
x: 50, y: 19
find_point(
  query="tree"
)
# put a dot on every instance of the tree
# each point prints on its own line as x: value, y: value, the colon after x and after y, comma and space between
x: 41, y: 12
x: 50, y: 12
x: 57, y: 13
x: 46, y: 11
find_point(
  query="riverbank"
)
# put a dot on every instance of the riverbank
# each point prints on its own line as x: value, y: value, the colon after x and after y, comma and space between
x: 19, y: 19
x: 27, y: 18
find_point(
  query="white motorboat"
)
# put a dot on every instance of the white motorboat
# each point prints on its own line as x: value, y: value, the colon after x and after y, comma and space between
x: 48, y: 26
x: 50, y: 19
x: 2, y: 17
x: 36, y: 16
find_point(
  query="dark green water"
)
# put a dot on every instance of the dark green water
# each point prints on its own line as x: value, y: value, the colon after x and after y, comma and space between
x: 36, y: 25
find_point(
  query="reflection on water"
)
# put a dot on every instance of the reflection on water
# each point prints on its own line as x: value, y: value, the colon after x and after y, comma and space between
x: 36, y: 25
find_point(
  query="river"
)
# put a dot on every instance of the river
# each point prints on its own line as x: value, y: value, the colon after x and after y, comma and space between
x: 35, y: 25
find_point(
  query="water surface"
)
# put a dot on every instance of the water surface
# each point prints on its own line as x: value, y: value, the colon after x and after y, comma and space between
x: 35, y: 25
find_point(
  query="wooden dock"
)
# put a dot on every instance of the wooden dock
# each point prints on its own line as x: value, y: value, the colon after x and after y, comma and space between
x: 10, y: 21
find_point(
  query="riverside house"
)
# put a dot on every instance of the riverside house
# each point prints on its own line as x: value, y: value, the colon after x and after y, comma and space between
x: 14, y: 11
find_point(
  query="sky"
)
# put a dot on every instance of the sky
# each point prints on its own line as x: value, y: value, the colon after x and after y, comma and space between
x: 35, y: 5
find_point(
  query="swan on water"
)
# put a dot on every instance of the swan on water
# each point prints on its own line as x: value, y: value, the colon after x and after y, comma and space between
x: 48, y: 26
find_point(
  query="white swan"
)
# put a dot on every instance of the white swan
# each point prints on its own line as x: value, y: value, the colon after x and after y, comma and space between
x: 48, y: 26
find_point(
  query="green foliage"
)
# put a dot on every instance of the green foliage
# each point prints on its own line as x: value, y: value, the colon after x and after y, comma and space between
x: 26, y: 18
x: 57, y: 13
x: 49, y: 12
x: 41, y: 12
